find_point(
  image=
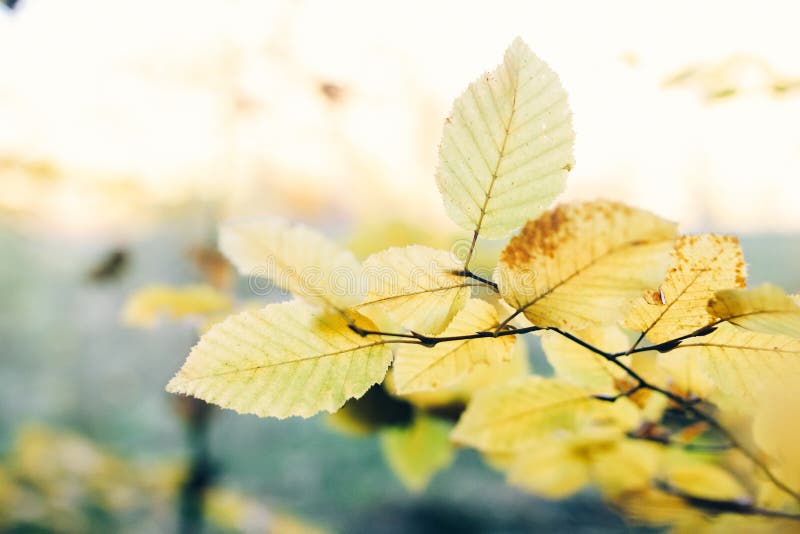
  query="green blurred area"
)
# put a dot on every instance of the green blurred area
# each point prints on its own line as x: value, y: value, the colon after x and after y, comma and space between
x: 68, y: 363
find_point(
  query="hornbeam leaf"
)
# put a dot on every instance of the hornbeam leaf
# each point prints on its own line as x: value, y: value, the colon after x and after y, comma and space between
x: 702, y: 479
x: 507, y: 418
x: 701, y: 265
x: 507, y: 146
x: 579, y: 365
x: 743, y: 363
x: 283, y: 360
x: 416, y: 286
x: 146, y: 305
x: 419, y: 368
x: 764, y: 309
x: 685, y: 375
x: 559, y: 466
x: 295, y: 258
x: 481, y: 377
x: 658, y: 508
x: 419, y: 451
x: 578, y: 265
x: 776, y: 431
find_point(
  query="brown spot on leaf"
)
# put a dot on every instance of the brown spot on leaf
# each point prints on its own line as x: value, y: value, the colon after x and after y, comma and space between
x: 655, y: 297
x: 539, y: 237
x: 331, y: 91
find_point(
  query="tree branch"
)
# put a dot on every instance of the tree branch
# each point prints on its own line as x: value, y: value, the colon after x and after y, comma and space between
x: 431, y: 341
x: 721, y: 506
x: 466, y: 273
x: 688, y: 405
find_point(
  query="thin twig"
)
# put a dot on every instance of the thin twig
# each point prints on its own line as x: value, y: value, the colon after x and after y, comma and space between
x: 723, y: 506
x: 688, y: 405
x: 466, y: 273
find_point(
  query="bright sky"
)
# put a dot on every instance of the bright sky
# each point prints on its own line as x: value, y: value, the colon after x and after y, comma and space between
x: 187, y: 97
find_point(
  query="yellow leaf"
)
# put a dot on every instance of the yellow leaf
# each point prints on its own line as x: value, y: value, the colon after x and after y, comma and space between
x: 417, y: 452
x: 234, y: 512
x: 776, y: 431
x: 559, y: 466
x: 146, y: 305
x: 509, y: 417
x: 578, y: 265
x: 702, y: 479
x: 651, y: 403
x: 628, y: 465
x: 281, y: 361
x: 294, y: 258
x: 419, y: 368
x: 654, y: 507
x: 583, y: 367
x: 416, y: 286
x: 549, y: 470
x: 739, y: 523
x: 686, y: 374
x: 518, y: 365
x: 701, y: 265
x: 479, y: 378
x: 740, y: 362
x: 764, y: 309
x: 507, y: 146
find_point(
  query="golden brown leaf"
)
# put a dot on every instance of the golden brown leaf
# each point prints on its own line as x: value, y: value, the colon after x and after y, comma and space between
x: 701, y: 266
x: 578, y: 265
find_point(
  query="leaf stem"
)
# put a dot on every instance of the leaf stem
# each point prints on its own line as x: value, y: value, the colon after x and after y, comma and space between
x: 469, y: 274
x: 474, y: 240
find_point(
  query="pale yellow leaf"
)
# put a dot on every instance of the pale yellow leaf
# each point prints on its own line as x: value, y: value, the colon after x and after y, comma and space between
x: 507, y: 146
x: 702, y: 479
x: 283, y: 360
x: 550, y: 469
x: 579, y: 265
x: 518, y: 365
x: 743, y: 363
x: 764, y: 309
x: 652, y: 404
x: 558, y: 466
x: 294, y: 258
x: 579, y: 365
x: 628, y: 465
x: 419, y: 368
x: 741, y: 524
x: 651, y: 506
x: 686, y: 375
x: 234, y: 512
x: 510, y: 417
x: 417, y: 452
x: 701, y: 265
x: 416, y: 286
x: 148, y: 304
x: 505, y: 311
x: 776, y: 431
x: 479, y: 378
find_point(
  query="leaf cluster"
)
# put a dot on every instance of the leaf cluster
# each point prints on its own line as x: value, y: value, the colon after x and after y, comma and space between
x: 666, y: 364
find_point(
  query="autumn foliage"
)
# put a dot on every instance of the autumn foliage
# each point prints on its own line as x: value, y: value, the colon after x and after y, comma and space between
x: 672, y: 388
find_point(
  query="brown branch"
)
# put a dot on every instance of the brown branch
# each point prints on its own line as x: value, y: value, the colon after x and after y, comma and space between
x: 718, y: 506
x: 688, y: 405
x: 466, y: 273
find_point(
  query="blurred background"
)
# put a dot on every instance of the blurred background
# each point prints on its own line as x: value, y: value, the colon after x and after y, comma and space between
x: 129, y: 129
